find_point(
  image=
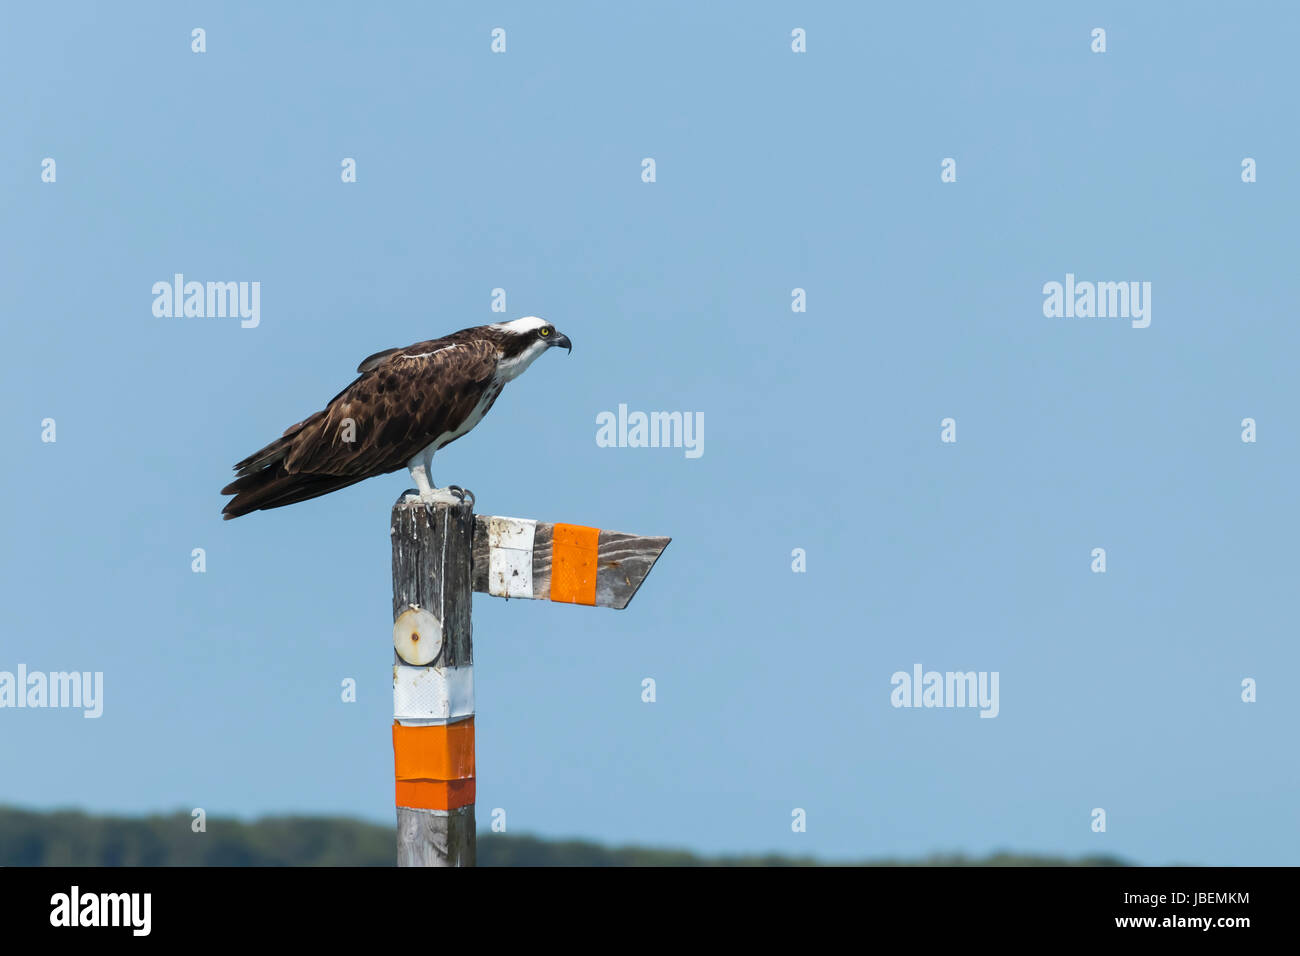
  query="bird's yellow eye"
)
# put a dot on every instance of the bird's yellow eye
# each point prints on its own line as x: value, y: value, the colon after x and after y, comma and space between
x: 545, y: 332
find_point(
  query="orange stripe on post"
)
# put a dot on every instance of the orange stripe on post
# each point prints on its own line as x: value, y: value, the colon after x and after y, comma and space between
x: 435, y: 794
x: 573, y: 564
x: 434, y: 765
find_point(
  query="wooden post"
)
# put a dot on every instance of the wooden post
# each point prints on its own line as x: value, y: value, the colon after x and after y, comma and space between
x: 441, y: 555
x: 433, y: 683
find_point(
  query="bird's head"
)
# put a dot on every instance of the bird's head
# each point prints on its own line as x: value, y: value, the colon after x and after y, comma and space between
x: 523, y: 340
x: 530, y: 331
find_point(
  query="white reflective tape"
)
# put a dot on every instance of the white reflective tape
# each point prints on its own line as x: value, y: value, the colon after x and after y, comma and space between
x: 432, y: 693
x: 510, y: 557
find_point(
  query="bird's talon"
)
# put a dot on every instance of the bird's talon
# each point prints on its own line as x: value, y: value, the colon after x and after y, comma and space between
x: 461, y: 494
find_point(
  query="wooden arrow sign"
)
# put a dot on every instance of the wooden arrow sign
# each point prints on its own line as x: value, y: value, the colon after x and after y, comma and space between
x: 572, y: 564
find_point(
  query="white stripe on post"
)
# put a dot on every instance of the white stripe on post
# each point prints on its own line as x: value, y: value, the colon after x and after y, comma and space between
x: 425, y: 695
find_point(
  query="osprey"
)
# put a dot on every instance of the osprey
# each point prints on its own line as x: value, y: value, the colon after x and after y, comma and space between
x: 405, y: 405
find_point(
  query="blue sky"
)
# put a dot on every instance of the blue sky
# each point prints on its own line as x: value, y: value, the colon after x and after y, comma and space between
x: 775, y: 170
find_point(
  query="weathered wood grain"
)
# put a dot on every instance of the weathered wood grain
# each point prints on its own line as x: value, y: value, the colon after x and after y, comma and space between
x: 431, y: 569
x: 436, y: 838
x: 622, y: 563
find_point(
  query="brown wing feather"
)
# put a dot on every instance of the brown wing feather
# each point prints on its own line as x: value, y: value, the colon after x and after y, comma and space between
x: 396, y: 410
x: 402, y: 401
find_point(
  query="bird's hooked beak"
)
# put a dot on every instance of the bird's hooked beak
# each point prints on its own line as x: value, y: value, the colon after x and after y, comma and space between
x: 561, y: 339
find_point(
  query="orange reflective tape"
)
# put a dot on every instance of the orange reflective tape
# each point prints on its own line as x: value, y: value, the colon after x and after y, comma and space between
x: 435, y: 751
x: 434, y: 765
x: 435, y: 794
x: 573, y: 563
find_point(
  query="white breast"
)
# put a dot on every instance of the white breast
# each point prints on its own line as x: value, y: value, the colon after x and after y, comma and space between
x: 475, y: 416
x: 507, y: 369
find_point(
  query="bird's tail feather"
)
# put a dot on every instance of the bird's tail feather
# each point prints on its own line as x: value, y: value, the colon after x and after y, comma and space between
x: 275, y: 452
x: 274, y: 488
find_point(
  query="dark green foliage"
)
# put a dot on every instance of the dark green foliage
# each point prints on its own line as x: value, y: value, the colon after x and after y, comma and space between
x: 76, y: 839
x: 71, y: 838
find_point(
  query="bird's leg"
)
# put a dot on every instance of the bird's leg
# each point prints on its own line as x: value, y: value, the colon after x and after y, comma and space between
x: 427, y: 493
x: 420, y: 475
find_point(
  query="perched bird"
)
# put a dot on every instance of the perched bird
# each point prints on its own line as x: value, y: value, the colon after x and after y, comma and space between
x: 404, y: 406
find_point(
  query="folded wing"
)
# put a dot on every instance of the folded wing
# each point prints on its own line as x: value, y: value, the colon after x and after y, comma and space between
x: 400, y: 403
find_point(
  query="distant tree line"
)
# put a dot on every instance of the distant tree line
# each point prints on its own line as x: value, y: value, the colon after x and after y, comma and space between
x: 72, y: 838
